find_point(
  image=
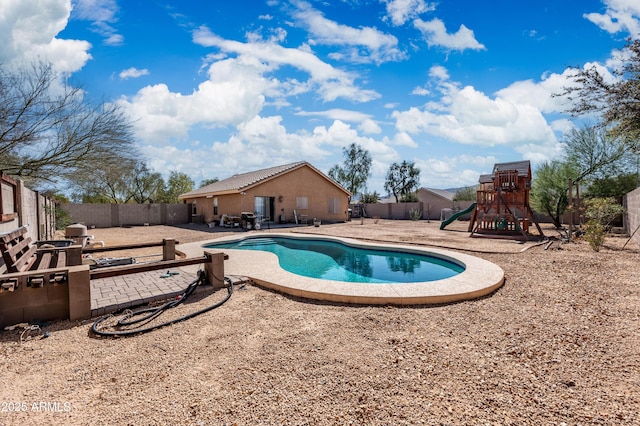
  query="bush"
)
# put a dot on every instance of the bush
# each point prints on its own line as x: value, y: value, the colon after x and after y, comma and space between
x: 415, y: 214
x: 594, y: 233
x: 600, y: 212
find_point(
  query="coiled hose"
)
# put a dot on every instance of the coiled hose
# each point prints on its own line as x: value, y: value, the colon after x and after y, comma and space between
x: 143, y: 316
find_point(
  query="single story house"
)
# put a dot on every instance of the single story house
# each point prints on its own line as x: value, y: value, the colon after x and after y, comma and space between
x: 291, y: 192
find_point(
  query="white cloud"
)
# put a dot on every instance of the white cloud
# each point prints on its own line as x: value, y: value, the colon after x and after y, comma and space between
x: 378, y: 47
x: 342, y: 135
x: 403, y: 139
x: 539, y: 94
x: 400, y: 11
x: 28, y: 30
x: 468, y: 116
x: 133, y: 73
x: 421, y: 91
x: 337, y: 114
x: 233, y: 94
x: 621, y: 15
x: 453, y: 172
x: 102, y: 13
x: 542, y: 94
x: 436, y: 34
x: 439, y: 72
x: 263, y: 141
x: 331, y: 83
x: 369, y: 127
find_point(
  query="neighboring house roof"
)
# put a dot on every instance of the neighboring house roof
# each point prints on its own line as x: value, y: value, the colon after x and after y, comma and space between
x: 387, y: 200
x: 243, y: 181
x: 440, y: 193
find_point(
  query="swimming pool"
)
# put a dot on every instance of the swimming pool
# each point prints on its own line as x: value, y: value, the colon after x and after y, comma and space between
x: 334, y: 260
x: 479, y: 278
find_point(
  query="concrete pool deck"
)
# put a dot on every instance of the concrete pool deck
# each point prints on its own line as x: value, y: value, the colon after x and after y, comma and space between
x: 479, y: 278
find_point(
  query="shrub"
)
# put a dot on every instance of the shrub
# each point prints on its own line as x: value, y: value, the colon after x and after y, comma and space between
x: 415, y: 214
x: 594, y: 233
x: 600, y: 212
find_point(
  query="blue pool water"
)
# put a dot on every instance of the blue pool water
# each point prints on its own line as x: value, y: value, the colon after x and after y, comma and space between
x: 330, y: 260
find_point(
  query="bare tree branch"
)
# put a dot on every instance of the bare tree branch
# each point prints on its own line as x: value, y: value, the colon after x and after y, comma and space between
x: 49, y: 132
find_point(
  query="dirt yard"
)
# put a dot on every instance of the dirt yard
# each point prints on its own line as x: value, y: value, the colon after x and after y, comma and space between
x: 558, y: 344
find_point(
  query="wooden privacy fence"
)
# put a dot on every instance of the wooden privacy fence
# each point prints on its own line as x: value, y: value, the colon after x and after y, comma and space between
x: 20, y: 206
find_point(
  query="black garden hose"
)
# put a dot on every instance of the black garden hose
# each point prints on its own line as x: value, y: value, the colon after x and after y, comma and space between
x: 145, y: 315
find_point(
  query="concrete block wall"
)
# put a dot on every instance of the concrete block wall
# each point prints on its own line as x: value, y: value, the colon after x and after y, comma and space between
x: 632, y: 216
x: 115, y: 215
x: 97, y: 215
x: 395, y: 211
x: 67, y: 300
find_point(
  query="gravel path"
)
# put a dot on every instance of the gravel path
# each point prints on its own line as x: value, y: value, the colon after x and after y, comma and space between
x: 559, y: 343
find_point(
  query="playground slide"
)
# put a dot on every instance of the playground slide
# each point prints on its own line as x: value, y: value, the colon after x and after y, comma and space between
x: 457, y: 215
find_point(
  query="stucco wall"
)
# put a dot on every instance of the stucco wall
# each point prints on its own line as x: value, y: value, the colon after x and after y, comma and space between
x: 301, y: 182
x: 632, y: 222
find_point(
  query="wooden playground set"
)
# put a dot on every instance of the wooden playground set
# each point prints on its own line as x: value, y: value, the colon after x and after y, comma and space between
x: 502, y: 207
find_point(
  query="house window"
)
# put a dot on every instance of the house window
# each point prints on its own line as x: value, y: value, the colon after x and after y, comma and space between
x: 334, y: 205
x: 302, y: 203
x: 215, y: 206
x: 194, y: 210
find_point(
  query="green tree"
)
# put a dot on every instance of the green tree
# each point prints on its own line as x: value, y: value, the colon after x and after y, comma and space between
x: 594, y: 152
x: 617, y: 100
x: 370, y: 197
x: 410, y: 197
x: 48, y: 134
x: 118, y: 182
x: 178, y: 183
x: 468, y: 193
x: 355, y: 171
x: 402, y: 179
x: 146, y: 186
x: 206, y: 182
x: 549, y: 192
x: 111, y: 183
x: 615, y: 186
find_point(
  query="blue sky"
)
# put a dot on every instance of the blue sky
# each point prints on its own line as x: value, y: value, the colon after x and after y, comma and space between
x: 216, y: 88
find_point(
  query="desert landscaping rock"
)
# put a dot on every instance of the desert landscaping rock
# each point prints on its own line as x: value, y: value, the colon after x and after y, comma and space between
x: 559, y: 343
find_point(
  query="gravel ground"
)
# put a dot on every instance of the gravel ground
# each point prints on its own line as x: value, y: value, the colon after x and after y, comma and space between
x: 558, y: 344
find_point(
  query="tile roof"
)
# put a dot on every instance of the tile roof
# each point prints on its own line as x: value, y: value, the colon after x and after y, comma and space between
x: 239, y: 182
x: 441, y: 193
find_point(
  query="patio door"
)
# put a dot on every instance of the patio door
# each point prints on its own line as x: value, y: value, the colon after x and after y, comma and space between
x: 264, y: 207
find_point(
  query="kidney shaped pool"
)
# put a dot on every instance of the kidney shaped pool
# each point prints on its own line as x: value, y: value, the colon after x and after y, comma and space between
x: 343, y: 270
x: 333, y: 260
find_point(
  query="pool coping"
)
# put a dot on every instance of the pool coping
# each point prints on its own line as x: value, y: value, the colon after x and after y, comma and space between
x: 479, y: 278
